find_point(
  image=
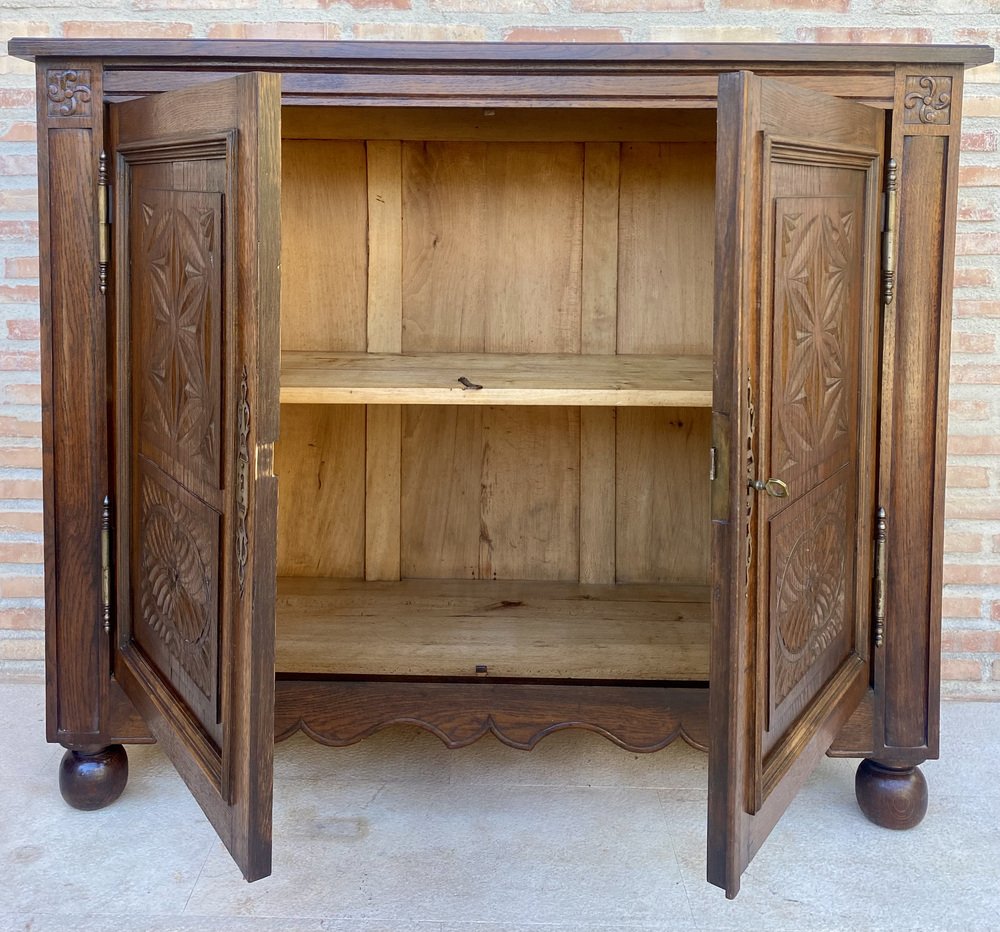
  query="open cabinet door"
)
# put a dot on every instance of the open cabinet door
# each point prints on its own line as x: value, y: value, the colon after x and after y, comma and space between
x: 196, y: 179
x: 796, y: 325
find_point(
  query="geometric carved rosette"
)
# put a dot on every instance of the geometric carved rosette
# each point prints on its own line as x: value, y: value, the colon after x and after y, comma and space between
x: 816, y: 254
x: 68, y: 92
x: 176, y: 619
x: 809, y: 605
x: 181, y: 290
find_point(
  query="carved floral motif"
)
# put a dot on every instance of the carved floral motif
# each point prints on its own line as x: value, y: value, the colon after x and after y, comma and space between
x: 927, y: 100
x: 69, y: 92
x: 175, y: 595
x: 809, y: 608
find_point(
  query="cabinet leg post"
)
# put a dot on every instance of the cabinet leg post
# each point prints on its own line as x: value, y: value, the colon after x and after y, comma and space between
x: 893, y: 797
x: 93, y: 777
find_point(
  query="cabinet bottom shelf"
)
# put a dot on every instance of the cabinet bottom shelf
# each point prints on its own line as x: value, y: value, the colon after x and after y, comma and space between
x: 492, y: 629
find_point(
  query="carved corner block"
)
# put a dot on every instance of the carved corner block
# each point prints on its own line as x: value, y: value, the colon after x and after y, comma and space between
x: 68, y: 92
x: 927, y: 100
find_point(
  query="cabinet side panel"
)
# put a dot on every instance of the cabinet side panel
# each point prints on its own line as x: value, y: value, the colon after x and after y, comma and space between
x: 916, y: 411
x: 324, y: 229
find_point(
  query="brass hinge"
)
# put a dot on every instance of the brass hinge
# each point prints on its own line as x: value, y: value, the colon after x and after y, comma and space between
x: 713, y: 464
x: 106, y: 563
x: 103, y: 222
x: 889, y: 234
x: 881, y: 532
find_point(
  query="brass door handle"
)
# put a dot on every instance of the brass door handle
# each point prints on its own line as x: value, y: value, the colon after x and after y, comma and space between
x: 776, y: 488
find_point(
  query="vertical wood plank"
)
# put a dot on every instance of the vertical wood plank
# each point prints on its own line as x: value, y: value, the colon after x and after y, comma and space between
x: 320, y: 459
x: 385, y: 328
x: 666, y: 248
x: 324, y: 225
x: 598, y: 323
x: 599, y: 334
x: 382, y: 492
x: 530, y: 493
x: 597, y: 495
x: 385, y: 247
x: 441, y: 460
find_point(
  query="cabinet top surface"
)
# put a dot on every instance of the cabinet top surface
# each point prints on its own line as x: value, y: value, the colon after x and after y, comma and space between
x: 174, y: 52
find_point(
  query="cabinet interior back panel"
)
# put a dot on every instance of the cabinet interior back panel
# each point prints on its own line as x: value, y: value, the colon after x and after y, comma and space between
x: 492, y: 241
x: 666, y: 251
x: 324, y: 245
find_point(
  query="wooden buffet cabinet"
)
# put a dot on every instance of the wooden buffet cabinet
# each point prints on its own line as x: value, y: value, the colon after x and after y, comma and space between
x: 612, y: 384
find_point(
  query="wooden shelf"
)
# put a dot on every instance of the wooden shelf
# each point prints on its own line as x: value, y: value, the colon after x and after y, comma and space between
x: 513, y: 379
x: 425, y: 627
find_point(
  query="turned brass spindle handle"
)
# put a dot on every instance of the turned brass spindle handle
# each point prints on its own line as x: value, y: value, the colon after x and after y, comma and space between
x: 776, y: 488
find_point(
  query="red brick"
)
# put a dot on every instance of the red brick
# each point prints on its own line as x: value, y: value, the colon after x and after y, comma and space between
x: 996, y: 543
x: 995, y: 670
x: 21, y: 489
x: 964, y: 410
x: 972, y: 509
x: 20, y: 131
x: 136, y: 29
x: 22, y: 587
x: 22, y: 394
x: 975, y: 445
x: 20, y: 200
x: 194, y: 4
x: 973, y: 278
x: 822, y: 6
x: 978, y: 36
x: 13, y: 97
x: 975, y: 375
x: 977, y: 244
x: 20, y: 552
x: 418, y: 32
x: 358, y: 5
x: 21, y: 457
x: 21, y: 267
x: 961, y: 607
x: 983, y: 141
x: 968, y: 477
x: 13, y: 427
x: 304, y: 31
x: 975, y: 211
x: 22, y: 649
x: 519, y: 7
x: 978, y: 176
x: 20, y: 362
x: 962, y: 342
x: 18, y: 164
x: 529, y: 34
x: 18, y: 230
x: 957, y: 542
x: 968, y: 670
x: 638, y: 6
x: 977, y: 574
x: 973, y: 308
x: 18, y: 294
x: 975, y: 106
x: 23, y: 329
x: 20, y: 521
x: 863, y: 34
x: 22, y: 619
x: 970, y: 641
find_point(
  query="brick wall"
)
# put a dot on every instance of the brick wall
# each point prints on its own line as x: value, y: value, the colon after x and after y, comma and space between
x: 972, y: 544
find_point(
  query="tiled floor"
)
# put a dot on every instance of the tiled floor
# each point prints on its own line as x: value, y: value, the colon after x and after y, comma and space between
x: 398, y: 833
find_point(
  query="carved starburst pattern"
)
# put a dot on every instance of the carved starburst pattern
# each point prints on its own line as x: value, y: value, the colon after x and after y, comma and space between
x: 180, y: 402
x: 811, y: 404
x: 175, y: 588
x: 810, y: 602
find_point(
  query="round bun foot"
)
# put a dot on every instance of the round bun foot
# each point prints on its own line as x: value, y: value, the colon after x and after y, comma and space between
x: 93, y: 778
x: 891, y: 797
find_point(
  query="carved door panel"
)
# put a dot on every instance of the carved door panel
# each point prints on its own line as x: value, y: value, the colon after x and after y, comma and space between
x: 196, y: 283
x: 796, y: 341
